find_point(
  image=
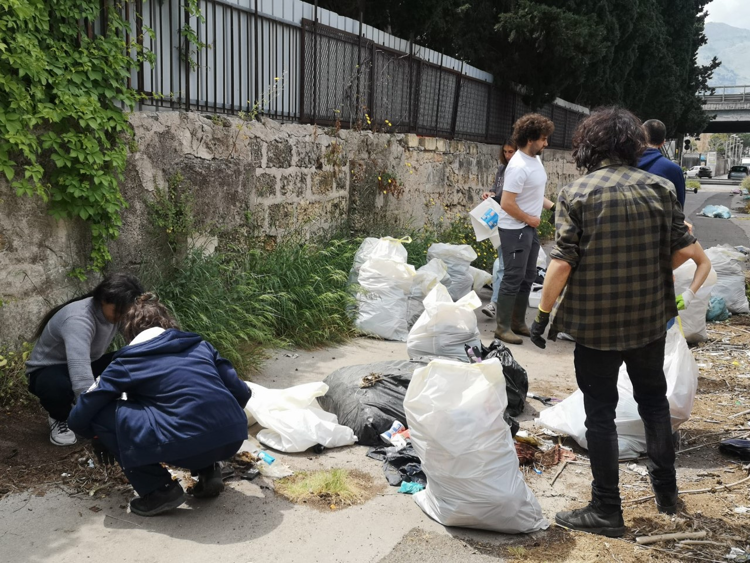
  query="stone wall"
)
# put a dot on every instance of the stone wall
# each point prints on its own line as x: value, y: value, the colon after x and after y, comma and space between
x: 246, y: 179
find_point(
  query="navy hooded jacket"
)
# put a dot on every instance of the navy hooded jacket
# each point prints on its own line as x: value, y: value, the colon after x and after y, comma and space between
x: 182, y: 399
x: 656, y: 163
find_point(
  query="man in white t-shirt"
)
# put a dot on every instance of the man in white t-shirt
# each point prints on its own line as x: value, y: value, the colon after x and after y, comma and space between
x: 522, y: 203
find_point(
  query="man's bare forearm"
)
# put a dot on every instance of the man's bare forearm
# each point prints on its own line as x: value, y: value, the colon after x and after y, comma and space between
x: 555, y: 281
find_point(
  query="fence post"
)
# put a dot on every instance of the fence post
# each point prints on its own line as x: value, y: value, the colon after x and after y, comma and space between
x: 456, y: 97
x: 490, y: 89
x: 139, y: 40
x: 187, y: 64
x: 315, y: 65
x: 371, y: 102
x: 418, y: 96
x: 358, y: 99
x: 411, y: 84
x: 302, y: 67
x: 440, y: 85
x: 255, y: 40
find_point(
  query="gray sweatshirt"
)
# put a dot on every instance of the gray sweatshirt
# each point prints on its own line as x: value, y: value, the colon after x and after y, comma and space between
x: 76, y: 335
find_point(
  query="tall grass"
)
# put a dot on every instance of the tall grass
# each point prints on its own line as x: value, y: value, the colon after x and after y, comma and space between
x: 244, y: 302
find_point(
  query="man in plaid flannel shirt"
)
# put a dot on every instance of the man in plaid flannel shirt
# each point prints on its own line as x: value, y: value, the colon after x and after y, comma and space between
x: 620, y: 233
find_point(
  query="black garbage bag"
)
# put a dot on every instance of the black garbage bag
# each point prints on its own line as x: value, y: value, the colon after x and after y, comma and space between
x: 516, y: 379
x: 737, y: 447
x: 368, y: 398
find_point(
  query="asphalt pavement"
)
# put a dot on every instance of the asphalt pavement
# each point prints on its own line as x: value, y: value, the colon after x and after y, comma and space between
x: 711, y: 231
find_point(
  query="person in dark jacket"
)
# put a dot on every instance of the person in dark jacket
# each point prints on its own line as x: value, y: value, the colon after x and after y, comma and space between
x: 167, y: 397
x: 654, y: 161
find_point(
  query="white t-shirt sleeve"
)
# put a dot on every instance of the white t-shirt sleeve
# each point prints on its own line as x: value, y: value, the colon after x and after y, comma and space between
x: 515, y: 178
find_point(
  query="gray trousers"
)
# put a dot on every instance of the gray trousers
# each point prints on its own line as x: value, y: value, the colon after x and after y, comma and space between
x: 520, y: 249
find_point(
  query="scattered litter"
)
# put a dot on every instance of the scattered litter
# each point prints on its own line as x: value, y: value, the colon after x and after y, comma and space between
x: 716, y: 211
x: 410, y: 488
x: 394, y: 429
x: 537, y: 471
x: 91, y: 464
x: 293, y: 356
x: 278, y: 470
x: 65, y: 475
x: 738, y: 555
x: 742, y: 510
x: 546, y: 401
x: 95, y: 509
x: 250, y: 474
x: 526, y: 438
x: 399, y: 464
x: 639, y: 469
x: 370, y: 380
x: 645, y: 540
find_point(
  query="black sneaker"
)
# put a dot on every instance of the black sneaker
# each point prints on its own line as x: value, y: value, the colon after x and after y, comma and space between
x: 666, y: 503
x: 162, y: 499
x: 589, y: 520
x: 209, y: 483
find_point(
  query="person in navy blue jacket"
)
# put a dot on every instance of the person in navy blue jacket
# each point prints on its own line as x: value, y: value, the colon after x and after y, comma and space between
x: 167, y: 397
x: 654, y: 162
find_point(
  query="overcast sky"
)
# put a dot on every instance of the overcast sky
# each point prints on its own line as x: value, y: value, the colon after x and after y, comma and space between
x: 733, y: 12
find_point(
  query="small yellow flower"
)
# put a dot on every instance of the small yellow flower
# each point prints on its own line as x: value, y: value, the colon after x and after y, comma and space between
x: 385, y: 192
x: 379, y: 178
x: 276, y: 78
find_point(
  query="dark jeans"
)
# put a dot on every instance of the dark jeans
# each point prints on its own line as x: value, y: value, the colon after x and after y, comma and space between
x: 53, y: 387
x: 596, y: 373
x: 520, y: 248
x: 147, y: 478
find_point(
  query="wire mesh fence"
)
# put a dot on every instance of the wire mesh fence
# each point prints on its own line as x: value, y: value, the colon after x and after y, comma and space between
x: 230, y: 57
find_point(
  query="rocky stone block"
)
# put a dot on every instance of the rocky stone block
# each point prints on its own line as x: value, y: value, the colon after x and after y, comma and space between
x: 279, y: 154
x: 411, y: 141
x: 265, y: 185
x: 281, y: 216
x: 322, y: 182
x: 293, y: 184
x: 428, y: 143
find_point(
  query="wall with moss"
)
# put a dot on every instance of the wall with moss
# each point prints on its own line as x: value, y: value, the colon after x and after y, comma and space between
x: 218, y: 181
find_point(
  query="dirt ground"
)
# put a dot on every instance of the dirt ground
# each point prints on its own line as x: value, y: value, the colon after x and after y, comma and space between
x: 29, y: 463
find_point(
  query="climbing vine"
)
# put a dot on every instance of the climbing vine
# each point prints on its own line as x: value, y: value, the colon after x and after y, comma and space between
x: 64, y: 94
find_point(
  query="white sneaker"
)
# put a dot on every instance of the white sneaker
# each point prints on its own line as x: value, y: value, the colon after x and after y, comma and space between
x: 489, y: 310
x: 59, y: 433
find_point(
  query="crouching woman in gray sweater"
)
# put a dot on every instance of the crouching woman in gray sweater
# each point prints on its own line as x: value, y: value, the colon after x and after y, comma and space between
x: 71, y: 344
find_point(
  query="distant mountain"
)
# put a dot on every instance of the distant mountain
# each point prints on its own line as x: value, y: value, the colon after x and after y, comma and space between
x: 732, y: 46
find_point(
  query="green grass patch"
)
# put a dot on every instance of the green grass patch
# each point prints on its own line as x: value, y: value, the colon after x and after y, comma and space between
x: 692, y: 185
x: 244, y: 302
x: 332, y: 488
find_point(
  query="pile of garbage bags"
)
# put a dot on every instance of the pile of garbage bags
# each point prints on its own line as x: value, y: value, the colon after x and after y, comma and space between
x: 730, y: 286
x: 390, y: 292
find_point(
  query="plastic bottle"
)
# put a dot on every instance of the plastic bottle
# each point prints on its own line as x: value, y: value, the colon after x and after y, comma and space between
x: 263, y: 456
x: 472, y: 354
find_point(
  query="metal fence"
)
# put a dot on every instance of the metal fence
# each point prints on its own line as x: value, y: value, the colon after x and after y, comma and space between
x: 238, y: 56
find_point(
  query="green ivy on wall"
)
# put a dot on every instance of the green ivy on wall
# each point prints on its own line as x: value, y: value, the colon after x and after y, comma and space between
x: 64, y: 95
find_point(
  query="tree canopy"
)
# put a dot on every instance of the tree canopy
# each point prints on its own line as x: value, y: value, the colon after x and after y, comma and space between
x: 641, y: 54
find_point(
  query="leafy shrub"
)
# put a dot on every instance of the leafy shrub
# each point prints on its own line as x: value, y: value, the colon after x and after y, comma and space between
x: 13, y: 384
x: 692, y: 185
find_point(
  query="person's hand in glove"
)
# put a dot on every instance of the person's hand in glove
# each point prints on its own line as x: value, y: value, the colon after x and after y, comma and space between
x: 104, y: 456
x: 537, y: 328
x: 683, y: 301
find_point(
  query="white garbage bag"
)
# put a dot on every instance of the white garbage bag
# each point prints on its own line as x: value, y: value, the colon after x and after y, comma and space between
x: 427, y: 277
x: 292, y: 419
x: 541, y: 259
x: 457, y: 258
x: 681, y: 371
x: 731, y: 278
x: 480, y: 277
x: 386, y: 248
x: 445, y: 326
x: 694, y: 317
x: 455, y: 417
x: 383, y: 301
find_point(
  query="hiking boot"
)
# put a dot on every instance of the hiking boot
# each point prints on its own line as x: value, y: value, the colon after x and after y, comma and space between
x: 164, y: 498
x: 209, y: 483
x: 666, y: 503
x: 505, y: 304
x: 592, y: 521
x: 518, y: 319
x: 489, y: 310
x: 59, y: 433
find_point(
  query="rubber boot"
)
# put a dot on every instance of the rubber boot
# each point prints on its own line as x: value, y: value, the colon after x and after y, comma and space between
x: 518, y: 319
x: 505, y: 304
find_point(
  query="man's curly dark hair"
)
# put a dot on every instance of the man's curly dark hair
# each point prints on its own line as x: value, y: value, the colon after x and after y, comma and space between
x: 531, y: 127
x: 611, y: 133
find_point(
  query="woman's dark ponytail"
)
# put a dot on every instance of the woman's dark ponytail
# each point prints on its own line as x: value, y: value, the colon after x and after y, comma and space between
x: 121, y: 290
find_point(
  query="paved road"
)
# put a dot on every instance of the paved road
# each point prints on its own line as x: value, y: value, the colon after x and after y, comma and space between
x: 710, y: 232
